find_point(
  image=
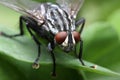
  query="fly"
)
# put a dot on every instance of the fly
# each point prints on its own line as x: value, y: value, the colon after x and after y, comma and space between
x: 54, y: 22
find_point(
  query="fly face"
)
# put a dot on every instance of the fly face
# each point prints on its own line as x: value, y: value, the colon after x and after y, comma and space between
x: 67, y: 40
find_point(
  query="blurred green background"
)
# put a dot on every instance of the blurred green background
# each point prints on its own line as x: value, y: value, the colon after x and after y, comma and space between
x: 101, y: 37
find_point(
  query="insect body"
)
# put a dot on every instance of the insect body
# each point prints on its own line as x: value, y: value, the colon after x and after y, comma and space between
x: 54, y: 22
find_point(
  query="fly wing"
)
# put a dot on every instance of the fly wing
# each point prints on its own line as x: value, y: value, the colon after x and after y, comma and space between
x: 25, y: 7
x: 71, y: 6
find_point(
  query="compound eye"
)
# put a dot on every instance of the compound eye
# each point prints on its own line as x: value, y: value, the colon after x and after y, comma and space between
x: 60, y: 37
x: 76, y: 36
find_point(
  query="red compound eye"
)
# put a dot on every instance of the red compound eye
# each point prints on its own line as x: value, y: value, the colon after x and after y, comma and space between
x: 60, y: 37
x: 76, y: 36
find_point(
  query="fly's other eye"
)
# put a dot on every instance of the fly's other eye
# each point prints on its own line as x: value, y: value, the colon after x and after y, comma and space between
x: 76, y: 36
x: 60, y: 37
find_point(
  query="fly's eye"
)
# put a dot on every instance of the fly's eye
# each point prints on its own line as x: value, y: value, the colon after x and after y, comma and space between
x: 76, y: 36
x: 60, y: 37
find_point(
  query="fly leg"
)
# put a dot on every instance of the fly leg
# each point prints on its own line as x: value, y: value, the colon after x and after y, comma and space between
x: 32, y: 26
x: 29, y: 24
x: 51, y: 47
x: 82, y: 23
x: 80, y: 52
x: 35, y: 64
x: 22, y: 18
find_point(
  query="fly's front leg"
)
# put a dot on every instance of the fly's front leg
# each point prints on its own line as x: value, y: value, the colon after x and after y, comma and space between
x: 82, y: 23
x: 22, y: 18
x: 51, y: 47
x: 80, y: 55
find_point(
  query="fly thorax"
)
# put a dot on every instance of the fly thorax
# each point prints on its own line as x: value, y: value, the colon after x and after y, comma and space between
x: 58, y: 20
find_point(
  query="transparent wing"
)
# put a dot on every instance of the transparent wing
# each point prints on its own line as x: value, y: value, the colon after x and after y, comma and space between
x: 72, y: 6
x: 22, y: 6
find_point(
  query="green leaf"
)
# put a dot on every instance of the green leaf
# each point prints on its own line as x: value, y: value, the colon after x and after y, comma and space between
x: 102, y: 47
x: 114, y: 19
x: 98, y: 10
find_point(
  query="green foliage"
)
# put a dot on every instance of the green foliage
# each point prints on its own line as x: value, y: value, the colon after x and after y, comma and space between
x: 101, y: 37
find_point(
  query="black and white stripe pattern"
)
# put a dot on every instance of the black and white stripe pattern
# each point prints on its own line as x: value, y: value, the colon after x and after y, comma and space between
x: 56, y: 19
